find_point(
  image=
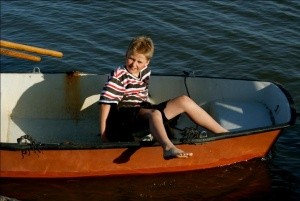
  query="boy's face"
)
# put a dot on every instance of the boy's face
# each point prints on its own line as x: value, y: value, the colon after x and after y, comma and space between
x: 135, y: 62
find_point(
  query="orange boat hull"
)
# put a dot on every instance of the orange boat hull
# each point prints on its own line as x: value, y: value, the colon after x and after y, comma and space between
x: 134, y: 160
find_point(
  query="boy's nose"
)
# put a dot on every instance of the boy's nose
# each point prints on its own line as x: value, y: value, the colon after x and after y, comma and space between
x: 135, y: 63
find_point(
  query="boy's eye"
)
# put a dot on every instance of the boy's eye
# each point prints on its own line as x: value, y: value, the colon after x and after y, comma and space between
x: 132, y: 59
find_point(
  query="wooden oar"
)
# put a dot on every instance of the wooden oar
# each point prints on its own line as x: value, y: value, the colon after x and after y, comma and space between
x: 20, y: 55
x: 28, y: 48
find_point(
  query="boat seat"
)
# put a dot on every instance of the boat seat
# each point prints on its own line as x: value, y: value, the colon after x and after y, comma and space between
x: 238, y: 115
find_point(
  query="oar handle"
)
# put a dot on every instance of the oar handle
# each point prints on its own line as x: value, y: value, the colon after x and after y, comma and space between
x: 28, y: 48
x: 20, y: 55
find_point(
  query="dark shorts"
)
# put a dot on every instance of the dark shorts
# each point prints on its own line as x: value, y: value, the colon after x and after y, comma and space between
x: 123, y: 123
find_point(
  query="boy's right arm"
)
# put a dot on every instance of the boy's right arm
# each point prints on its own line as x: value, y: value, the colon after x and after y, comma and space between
x: 103, y: 114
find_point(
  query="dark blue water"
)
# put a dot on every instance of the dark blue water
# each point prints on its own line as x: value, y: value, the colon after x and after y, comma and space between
x: 234, y: 39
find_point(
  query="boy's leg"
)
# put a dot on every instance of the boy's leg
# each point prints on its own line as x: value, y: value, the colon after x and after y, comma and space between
x: 158, y: 130
x: 196, y: 113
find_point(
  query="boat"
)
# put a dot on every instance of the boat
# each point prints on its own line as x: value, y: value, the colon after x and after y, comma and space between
x: 49, y: 125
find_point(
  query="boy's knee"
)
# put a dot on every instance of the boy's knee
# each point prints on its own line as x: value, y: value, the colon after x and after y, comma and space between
x: 155, y: 114
x: 184, y: 99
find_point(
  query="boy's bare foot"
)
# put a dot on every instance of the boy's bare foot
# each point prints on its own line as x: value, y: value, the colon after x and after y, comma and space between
x: 176, y: 153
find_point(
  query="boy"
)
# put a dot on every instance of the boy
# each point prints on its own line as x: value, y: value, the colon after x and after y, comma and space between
x: 124, y: 106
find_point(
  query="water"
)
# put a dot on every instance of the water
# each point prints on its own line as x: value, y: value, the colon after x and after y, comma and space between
x: 234, y: 39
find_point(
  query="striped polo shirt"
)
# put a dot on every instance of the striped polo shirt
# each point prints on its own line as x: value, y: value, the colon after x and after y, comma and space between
x: 124, y: 89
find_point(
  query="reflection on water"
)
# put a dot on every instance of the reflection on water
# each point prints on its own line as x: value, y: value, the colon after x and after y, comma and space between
x: 243, y: 181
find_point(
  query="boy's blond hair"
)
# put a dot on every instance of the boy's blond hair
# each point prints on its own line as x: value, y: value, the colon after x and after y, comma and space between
x: 141, y: 45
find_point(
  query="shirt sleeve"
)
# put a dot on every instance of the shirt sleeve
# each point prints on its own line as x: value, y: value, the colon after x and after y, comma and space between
x: 113, y: 91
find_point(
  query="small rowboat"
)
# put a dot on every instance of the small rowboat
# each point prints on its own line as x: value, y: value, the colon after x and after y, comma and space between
x: 49, y: 125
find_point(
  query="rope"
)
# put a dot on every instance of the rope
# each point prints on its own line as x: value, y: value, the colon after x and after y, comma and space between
x: 186, y: 74
x: 28, y: 140
x: 192, y: 133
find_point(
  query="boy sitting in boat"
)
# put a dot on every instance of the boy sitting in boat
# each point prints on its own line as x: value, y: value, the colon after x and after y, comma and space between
x: 125, y: 107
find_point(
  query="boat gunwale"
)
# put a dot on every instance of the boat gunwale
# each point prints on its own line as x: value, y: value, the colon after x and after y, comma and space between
x: 135, y: 144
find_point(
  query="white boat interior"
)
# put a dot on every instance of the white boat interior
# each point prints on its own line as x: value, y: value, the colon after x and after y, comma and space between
x: 55, y: 108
